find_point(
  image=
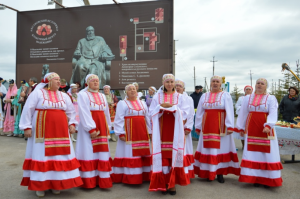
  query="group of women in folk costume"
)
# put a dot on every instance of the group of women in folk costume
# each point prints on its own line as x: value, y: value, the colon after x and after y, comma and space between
x: 161, y: 153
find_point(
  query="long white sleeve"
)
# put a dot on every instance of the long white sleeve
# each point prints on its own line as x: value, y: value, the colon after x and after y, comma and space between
x: 199, y: 113
x: 28, y: 111
x: 273, y: 109
x: 106, y: 112
x: 229, y: 120
x: 238, y: 105
x: 184, y: 106
x: 147, y: 118
x: 190, y: 119
x: 70, y: 111
x: 85, y: 116
x: 243, y: 114
x: 153, y: 105
x: 119, y: 118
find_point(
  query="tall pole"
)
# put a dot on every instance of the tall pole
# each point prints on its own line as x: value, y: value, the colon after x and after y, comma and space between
x: 213, y: 61
x: 194, y: 77
x: 297, y: 64
x: 205, y: 85
x: 251, y: 77
x: 174, y: 55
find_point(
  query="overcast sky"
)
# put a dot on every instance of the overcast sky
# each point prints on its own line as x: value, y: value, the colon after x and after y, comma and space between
x: 256, y: 35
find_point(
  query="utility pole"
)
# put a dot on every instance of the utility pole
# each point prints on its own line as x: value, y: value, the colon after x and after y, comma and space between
x: 194, y: 77
x: 205, y: 85
x: 213, y: 61
x: 174, y: 55
x: 251, y: 77
x: 297, y: 71
x: 272, y: 87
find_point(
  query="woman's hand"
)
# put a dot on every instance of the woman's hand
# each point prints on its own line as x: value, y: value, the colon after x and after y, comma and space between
x: 242, y: 133
x: 166, y: 105
x: 28, y: 133
x: 122, y: 138
x: 266, y: 130
x: 94, y: 134
x: 7, y: 100
x: 186, y: 132
x: 72, y: 129
x: 229, y: 132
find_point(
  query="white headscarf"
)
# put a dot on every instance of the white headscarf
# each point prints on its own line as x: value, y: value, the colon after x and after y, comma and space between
x: 71, y: 87
x: 180, y: 82
x: 88, y: 79
x: 47, y: 78
x: 108, y: 86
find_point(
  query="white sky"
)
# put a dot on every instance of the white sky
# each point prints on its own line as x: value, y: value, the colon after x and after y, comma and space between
x: 256, y: 35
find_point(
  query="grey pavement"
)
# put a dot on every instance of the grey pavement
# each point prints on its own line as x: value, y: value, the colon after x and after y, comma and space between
x: 12, y: 152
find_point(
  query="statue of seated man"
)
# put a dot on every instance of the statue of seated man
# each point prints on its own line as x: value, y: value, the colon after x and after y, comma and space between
x: 92, y: 56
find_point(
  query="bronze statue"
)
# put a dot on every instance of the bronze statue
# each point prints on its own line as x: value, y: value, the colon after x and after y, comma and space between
x: 92, y: 56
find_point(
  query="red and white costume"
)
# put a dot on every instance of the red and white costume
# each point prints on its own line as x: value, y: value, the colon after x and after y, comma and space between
x: 93, y: 154
x: 188, y: 138
x: 216, y: 152
x: 261, y: 160
x: 50, y: 161
x: 168, y: 140
x: 132, y: 162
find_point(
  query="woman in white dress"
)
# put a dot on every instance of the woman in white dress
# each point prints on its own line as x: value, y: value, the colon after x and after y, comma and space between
x: 47, y: 119
x: 92, y: 148
x: 248, y: 91
x: 188, y: 126
x: 169, y: 112
x: 216, y: 152
x: 132, y: 162
x: 257, y: 117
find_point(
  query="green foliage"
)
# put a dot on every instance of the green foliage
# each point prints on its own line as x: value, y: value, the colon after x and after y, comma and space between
x: 117, y: 93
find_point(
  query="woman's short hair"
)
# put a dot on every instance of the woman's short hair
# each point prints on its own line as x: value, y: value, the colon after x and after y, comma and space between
x: 292, y: 87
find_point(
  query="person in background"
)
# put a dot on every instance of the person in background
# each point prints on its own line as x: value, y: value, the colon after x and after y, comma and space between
x: 15, y: 103
x: 290, y: 105
x: 78, y: 86
x: 132, y: 162
x: 216, y: 153
x: 188, y: 126
x: 140, y: 94
x: 112, y: 101
x: 197, y: 95
x: 3, y: 92
x: 149, y: 97
x: 72, y: 92
x: 248, y: 91
x: 261, y: 163
x: 9, y: 113
x: 64, y: 87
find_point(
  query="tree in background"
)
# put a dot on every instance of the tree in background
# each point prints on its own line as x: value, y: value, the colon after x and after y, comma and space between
x: 235, y: 94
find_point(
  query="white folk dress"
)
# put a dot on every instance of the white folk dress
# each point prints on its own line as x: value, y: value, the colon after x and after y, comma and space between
x: 169, y: 151
x: 260, y: 167
x: 43, y: 172
x: 216, y: 152
x: 127, y: 168
x: 96, y: 167
x: 188, y: 138
x: 238, y: 106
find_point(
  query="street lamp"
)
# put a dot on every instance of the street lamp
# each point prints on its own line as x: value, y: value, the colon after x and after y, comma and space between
x: 3, y: 7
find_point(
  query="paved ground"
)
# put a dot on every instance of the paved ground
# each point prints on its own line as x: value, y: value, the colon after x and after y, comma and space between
x: 13, y: 151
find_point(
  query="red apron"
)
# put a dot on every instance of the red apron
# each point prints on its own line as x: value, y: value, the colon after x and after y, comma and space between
x: 213, y: 127
x: 137, y: 135
x: 53, y: 129
x: 257, y: 140
x: 167, y: 122
x: 100, y: 143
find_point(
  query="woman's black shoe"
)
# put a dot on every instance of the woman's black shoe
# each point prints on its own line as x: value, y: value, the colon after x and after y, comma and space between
x: 256, y: 185
x: 164, y: 192
x: 266, y: 186
x: 220, y: 179
x: 208, y: 180
x: 172, y: 193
